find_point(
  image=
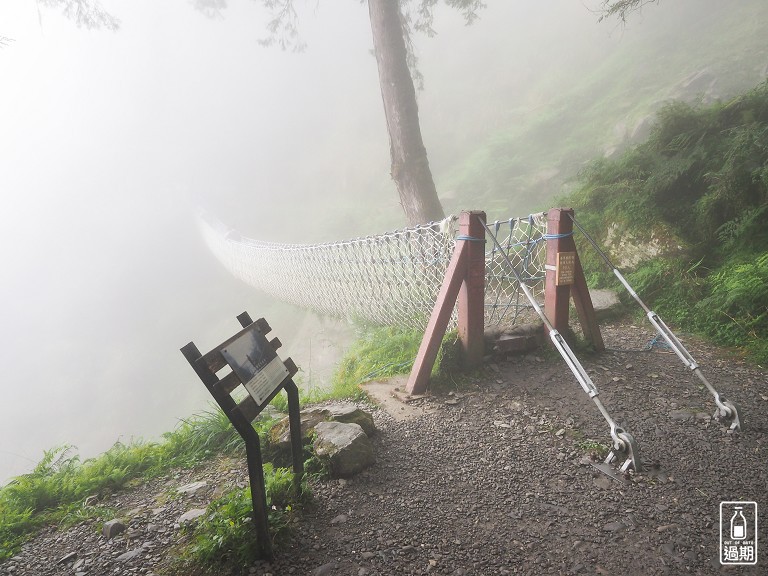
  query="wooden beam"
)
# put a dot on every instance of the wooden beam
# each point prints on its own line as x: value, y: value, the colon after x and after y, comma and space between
x: 438, y: 321
x: 471, y: 325
x: 556, y: 298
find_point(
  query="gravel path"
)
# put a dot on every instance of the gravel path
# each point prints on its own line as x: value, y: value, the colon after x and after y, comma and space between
x: 495, y: 479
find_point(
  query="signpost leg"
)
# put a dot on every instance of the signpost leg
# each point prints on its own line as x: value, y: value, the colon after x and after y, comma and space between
x: 294, y: 421
x: 256, y: 477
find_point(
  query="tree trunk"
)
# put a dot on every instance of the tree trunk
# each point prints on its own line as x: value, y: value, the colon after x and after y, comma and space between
x: 410, y: 167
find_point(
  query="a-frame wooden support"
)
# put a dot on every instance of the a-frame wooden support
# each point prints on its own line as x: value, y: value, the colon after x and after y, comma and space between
x: 565, y: 279
x: 464, y: 279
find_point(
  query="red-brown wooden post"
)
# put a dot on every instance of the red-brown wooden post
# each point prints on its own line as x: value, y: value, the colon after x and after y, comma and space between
x: 472, y: 294
x: 556, y: 298
x: 465, y: 279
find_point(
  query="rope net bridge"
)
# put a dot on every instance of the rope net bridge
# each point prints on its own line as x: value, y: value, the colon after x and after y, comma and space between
x: 392, y: 278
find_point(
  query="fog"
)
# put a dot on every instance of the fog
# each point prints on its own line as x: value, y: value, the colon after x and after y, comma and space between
x: 110, y: 142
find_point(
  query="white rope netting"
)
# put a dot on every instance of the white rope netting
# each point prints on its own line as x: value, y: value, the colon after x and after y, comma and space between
x: 389, y: 279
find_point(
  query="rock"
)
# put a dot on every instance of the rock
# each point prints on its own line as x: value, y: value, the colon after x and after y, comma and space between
x: 130, y: 555
x: 192, y: 488
x: 345, y: 446
x: 191, y: 516
x: 603, y: 482
x: 606, y: 304
x: 112, y: 528
x: 518, y: 339
x: 325, y: 569
x: 614, y: 526
x: 351, y: 414
x: 340, y: 519
x: 67, y: 557
x: 280, y: 433
x: 680, y: 415
x: 628, y: 250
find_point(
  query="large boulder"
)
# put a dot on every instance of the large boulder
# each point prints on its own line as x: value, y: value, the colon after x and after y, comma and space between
x: 280, y: 434
x: 345, y: 447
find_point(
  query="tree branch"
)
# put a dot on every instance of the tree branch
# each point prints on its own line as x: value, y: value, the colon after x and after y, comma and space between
x: 85, y: 13
x: 622, y: 8
x: 283, y: 26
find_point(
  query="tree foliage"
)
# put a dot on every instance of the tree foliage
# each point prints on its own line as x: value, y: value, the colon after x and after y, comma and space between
x: 85, y: 13
x: 622, y: 8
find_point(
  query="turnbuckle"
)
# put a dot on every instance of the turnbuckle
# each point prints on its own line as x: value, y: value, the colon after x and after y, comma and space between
x: 726, y: 411
x: 624, y: 447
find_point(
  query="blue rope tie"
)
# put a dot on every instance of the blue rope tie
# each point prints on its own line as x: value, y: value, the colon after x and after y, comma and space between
x: 556, y: 236
x: 657, y: 342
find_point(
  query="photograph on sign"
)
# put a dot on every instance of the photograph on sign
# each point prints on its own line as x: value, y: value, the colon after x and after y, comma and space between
x: 256, y: 364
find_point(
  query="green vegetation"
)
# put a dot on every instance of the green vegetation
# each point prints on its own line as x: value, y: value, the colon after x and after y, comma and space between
x: 386, y: 351
x: 701, y: 180
x: 594, y: 449
x: 225, y: 535
x: 56, y: 490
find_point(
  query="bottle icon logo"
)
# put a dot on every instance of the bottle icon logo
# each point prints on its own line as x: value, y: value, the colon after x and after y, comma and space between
x: 738, y: 524
x: 738, y: 533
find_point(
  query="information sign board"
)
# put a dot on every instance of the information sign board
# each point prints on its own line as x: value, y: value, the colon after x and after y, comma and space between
x: 256, y: 364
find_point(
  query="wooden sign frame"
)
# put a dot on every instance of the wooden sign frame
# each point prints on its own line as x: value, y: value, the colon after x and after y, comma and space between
x: 244, y: 412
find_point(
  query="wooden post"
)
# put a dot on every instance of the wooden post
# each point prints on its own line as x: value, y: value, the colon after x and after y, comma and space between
x: 556, y: 298
x: 471, y: 326
x: 465, y: 279
x: 557, y: 294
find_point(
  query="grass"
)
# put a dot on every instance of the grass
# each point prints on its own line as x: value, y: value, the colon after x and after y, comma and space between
x: 595, y: 450
x: 57, y: 489
x: 225, y: 536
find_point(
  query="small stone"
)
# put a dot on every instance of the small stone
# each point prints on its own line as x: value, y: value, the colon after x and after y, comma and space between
x: 192, y: 488
x: 680, y: 415
x: 325, y: 569
x: 340, y: 519
x: 190, y: 516
x: 614, y: 526
x: 130, y: 555
x: 603, y: 482
x: 112, y: 528
x: 67, y: 557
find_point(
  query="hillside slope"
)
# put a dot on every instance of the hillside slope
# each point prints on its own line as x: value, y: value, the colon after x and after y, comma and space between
x: 597, y: 106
